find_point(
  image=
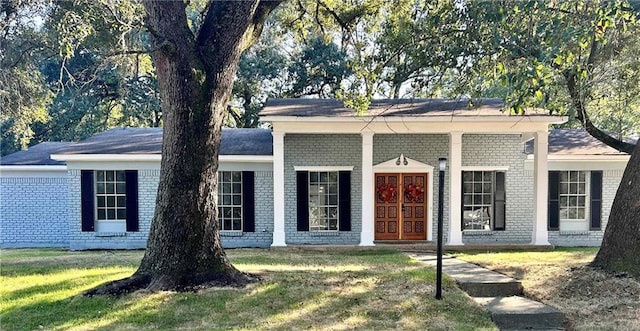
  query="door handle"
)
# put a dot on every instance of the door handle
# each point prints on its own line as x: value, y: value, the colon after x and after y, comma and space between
x: 403, y: 207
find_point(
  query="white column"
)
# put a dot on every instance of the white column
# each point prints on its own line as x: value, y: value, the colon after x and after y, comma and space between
x: 278, y: 189
x: 540, y: 234
x: 366, y: 235
x: 455, y: 188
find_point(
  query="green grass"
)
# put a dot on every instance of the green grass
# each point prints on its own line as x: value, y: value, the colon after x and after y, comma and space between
x: 333, y: 289
x: 526, y: 265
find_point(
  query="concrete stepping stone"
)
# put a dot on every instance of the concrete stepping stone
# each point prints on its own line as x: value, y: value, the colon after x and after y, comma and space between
x: 519, y: 313
x: 499, y: 294
x: 473, y: 279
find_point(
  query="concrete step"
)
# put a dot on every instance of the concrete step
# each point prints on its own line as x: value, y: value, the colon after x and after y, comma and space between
x: 473, y: 279
x: 518, y: 313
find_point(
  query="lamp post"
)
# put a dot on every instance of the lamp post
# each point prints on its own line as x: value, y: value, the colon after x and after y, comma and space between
x: 442, y: 166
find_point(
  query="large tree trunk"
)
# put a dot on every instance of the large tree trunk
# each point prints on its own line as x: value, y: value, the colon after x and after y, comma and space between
x: 620, y: 249
x: 195, y: 75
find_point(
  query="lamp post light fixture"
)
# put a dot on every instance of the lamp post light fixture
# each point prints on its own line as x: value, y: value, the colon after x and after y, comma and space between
x: 442, y: 166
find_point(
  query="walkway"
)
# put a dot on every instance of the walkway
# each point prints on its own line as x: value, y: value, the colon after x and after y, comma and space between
x: 501, y: 295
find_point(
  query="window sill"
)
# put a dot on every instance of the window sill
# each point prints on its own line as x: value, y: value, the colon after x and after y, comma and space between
x: 231, y: 233
x: 111, y: 234
x: 574, y: 233
x: 477, y: 233
x: 324, y: 233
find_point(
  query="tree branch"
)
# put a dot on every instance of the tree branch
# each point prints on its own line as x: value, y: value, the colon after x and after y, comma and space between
x: 583, y: 117
x: 335, y: 15
x: 262, y: 12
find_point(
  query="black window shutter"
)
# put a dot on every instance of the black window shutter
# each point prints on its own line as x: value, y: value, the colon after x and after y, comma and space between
x: 596, y: 200
x: 499, y: 205
x: 344, y: 200
x: 554, y: 201
x: 248, y: 202
x: 302, y: 189
x: 131, y: 178
x: 86, y: 196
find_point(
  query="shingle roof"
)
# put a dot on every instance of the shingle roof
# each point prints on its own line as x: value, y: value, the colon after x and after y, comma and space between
x: 575, y: 142
x: 120, y: 141
x: 390, y: 107
x: 149, y: 141
x: 138, y: 141
x: 36, y: 155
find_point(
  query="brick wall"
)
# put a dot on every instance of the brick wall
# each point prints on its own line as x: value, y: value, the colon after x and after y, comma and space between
x: 322, y: 150
x: 33, y: 212
x: 503, y: 151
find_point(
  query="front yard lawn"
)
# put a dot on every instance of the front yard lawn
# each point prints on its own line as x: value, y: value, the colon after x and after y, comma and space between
x: 327, y: 289
x: 591, y: 299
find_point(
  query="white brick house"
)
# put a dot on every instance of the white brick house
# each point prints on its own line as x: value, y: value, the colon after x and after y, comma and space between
x: 324, y: 175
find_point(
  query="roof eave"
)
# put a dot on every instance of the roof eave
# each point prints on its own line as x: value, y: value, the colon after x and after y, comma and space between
x: 585, y: 157
x: 152, y: 158
x: 427, y: 118
x: 106, y: 157
x: 31, y: 167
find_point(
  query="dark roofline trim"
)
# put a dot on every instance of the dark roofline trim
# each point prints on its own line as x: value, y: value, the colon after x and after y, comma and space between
x: 33, y: 167
x: 152, y: 158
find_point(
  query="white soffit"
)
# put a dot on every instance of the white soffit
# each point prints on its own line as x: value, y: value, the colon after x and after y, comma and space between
x: 411, y: 125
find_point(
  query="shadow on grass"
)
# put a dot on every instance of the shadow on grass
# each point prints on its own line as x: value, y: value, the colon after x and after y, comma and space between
x: 54, y: 286
x: 382, y: 290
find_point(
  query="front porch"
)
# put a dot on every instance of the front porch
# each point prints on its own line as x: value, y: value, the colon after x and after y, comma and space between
x: 483, y: 142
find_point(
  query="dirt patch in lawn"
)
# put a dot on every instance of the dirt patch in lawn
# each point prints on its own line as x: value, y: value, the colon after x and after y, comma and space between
x: 591, y: 298
x: 595, y: 299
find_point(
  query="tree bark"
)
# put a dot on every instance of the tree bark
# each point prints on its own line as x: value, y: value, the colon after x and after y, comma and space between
x: 620, y: 249
x: 195, y: 76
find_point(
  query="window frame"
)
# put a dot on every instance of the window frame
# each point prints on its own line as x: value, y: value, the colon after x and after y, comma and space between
x: 97, y: 196
x: 327, y: 197
x: 473, y: 193
x: 221, y: 205
x: 497, y: 197
x: 586, y: 195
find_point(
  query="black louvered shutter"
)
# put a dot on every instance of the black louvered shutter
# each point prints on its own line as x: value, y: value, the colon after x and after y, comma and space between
x: 554, y: 201
x: 344, y: 200
x: 596, y: 200
x: 302, y: 190
x: 87, y: 197
x: 131, y: 178
x: 248, y: 202
x: 499, y: 205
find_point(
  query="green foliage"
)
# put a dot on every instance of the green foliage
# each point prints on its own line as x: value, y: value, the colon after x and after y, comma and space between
x: 23, y: 95
x: 316, y: 67
x: 533, y: 46
x: 79, y: 70
x: 261, y: 74
x: 70, y: 69
x: 318, y: 70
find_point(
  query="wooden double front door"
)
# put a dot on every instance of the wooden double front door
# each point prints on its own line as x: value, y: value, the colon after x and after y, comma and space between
x: 401, y: 206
